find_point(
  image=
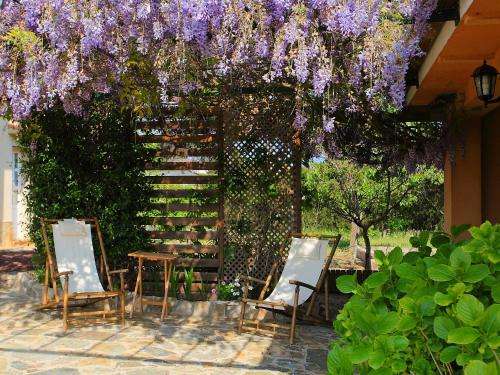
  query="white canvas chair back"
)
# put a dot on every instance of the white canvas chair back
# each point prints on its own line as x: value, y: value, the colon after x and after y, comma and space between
x: 305, y: 262
x: 74, y: 252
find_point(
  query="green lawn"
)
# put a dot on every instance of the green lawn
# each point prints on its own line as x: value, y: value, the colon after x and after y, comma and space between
x: 401, y: 239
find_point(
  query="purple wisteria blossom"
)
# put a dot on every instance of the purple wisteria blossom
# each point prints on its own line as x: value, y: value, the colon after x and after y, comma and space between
x: 344, y: 51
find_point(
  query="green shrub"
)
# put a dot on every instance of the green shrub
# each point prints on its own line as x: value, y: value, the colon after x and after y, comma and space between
x: 86, y: 167
x: 423, y: 313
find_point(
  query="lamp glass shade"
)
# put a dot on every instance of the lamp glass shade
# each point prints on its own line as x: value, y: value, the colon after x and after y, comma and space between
x: 485, y: 78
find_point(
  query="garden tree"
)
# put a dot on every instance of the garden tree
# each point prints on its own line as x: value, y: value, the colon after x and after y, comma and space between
x: 364, y: 195
x: 344, y: 61
x: 421, y: 209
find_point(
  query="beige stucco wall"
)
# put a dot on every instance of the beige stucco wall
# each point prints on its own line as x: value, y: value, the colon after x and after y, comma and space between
x: 10, y: 202
x: 472, y: 182
x: 462, y: 179
x: 6, y: 144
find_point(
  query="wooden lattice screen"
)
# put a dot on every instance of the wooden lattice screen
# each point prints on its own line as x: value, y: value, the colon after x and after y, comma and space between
x: 187, y: 215
x: 226, y: 186
x: 262, y: 182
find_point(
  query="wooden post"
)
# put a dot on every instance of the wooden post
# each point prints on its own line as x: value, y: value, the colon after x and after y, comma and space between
x: 220, y: 171
x: 297, y: 185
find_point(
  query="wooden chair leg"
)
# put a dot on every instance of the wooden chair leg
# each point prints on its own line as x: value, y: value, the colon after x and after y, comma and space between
x: 122, y: 297
x: 45, y: 295
x: 242, y: 316
x: 65, y: 303
x: 294, y: 314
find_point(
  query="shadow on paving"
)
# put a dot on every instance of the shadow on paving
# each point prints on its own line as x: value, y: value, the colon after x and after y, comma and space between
x: 32, y: 341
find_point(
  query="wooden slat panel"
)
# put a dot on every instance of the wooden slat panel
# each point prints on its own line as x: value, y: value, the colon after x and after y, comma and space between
x: 207, y: 221
x: 185, y: 193
x: 200, y: 276
x: 197, y: 276
x: 183, y: 179
x: 182, y: 151
x: 183, y: 166
x: 211, y: 207
x: 186, y: 248
x: 175, y: 138
x: 184, y: 235
x: 195, y: 262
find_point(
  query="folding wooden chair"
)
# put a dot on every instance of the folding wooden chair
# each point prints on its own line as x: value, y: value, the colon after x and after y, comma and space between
x: 305, y: 271
x: 75, y: 266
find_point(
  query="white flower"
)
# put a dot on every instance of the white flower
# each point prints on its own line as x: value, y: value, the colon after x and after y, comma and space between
x: 250, y: 287
x: 223, y: 283
x: 237, y: 284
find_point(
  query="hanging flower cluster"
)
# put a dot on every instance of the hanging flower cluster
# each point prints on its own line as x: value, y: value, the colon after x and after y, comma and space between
x: 348, y: 52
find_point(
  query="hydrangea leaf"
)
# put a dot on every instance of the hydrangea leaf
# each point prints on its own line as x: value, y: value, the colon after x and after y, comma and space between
x: 442, y: 326
x: 469, y: 310
x: 475, y: 273
x: 463, y: 335
x: 441, y: 272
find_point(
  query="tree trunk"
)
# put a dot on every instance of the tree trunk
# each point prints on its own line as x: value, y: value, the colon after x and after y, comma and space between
x: 353, y: 241
x: 368, y: 249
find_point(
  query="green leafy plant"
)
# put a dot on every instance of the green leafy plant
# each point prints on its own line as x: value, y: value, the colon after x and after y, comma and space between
x: 423, y: 313
x: 188, y: 283
x: 174, y: 283
x: 229, y: 291
x: 86, y: 167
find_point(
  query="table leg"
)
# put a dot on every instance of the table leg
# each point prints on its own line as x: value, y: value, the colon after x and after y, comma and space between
x: 135, y: 290
x: 140, y: 285
x: 165, y: 284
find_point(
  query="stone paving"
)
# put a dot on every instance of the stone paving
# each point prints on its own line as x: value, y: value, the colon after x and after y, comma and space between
x: 32, y: 342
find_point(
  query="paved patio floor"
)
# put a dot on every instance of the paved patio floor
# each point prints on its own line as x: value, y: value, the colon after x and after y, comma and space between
x: 32, y: 342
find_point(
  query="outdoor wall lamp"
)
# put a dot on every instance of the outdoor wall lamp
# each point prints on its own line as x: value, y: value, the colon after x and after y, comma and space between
x: 485, y: 78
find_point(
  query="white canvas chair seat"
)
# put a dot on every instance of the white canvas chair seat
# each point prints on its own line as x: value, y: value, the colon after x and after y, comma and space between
x: 304, y: 263
x: 75, y: 252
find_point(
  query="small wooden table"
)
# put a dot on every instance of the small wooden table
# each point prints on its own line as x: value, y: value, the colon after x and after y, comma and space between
x: 168, y: 262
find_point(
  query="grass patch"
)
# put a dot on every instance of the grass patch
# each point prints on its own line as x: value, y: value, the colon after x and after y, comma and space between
x: 395, y: 239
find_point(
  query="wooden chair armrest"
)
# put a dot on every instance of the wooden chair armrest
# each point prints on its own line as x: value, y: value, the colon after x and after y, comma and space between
x: 305, y: 285
x: 65, y: 273
x: 118, y: 271
x: 258, y: 302
x: 250, y: 278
